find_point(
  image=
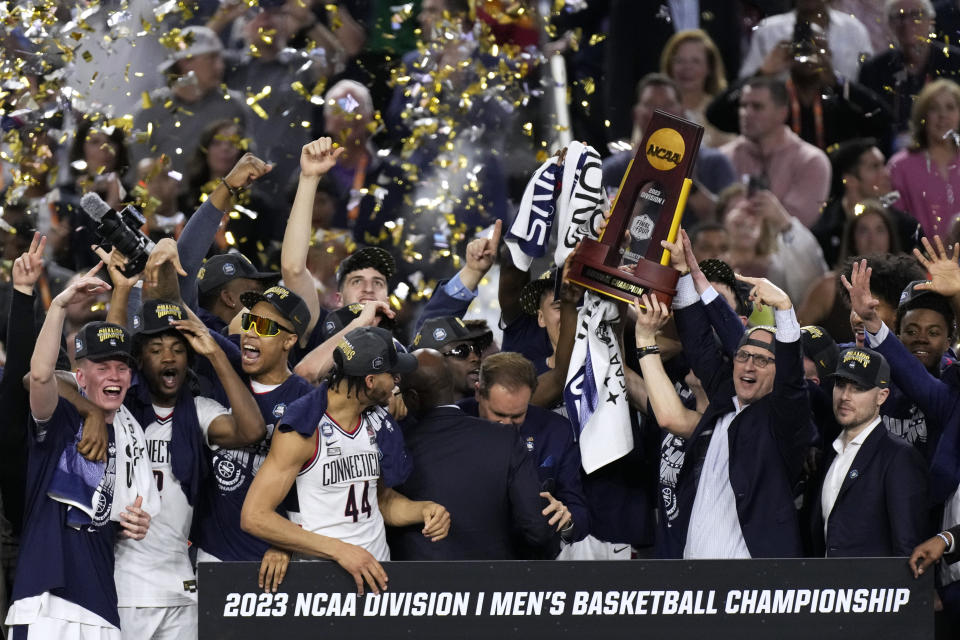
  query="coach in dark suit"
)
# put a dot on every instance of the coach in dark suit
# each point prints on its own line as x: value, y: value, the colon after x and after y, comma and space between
x: 481, y: 471
x: 873, y: 492
x: 745, y: 455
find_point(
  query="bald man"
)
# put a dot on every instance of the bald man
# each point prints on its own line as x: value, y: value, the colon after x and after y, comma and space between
x: 489, y: 497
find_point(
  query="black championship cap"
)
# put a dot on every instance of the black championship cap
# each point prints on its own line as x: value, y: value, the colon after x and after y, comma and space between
x: 221, y: 269
x: 370, y: 350
x: 864, y: 366
x: 819, y: 346
x: 290, y: 305
x: 532, y: 291
x: 374, y: 257
x: 99, y: 341
x: 337, y: 320
x: 154, y: 316
x: 437, y: 332
x: 911, y: 293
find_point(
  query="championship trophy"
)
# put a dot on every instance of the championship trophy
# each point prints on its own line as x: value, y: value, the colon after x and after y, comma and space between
x: 628, y: 261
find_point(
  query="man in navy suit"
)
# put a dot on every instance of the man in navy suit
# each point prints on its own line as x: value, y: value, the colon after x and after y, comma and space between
x: 873, y: 495
x: 744, y: 457
x: 481, y: 470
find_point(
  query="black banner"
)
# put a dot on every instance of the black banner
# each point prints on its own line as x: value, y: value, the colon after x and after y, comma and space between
x: 713, y: 599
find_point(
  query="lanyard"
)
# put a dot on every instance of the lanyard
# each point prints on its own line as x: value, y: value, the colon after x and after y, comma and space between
x: 795, y: 119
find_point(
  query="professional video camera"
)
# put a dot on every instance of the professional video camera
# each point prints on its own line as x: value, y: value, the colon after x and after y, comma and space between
x: 122, y: 230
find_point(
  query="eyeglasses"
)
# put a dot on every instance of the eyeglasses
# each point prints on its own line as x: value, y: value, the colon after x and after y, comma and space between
x: 263, y: 327
x: 759, y: 361
x: 462, y: 351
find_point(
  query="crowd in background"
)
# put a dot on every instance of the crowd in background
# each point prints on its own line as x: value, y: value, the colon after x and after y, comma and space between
x: 321, y: 179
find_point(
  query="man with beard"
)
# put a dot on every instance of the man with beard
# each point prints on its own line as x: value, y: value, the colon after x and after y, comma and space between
x: 179, y: 425
x: 326, y: 444
x: 275, y: 321
x: 64, y: 582
x: 461, y: 346
x: 873, y: 494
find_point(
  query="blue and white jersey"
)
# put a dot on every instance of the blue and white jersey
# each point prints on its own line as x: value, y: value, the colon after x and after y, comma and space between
x: 337, y: 488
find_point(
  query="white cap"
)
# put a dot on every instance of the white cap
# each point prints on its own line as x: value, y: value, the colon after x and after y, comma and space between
x: 190, y: 42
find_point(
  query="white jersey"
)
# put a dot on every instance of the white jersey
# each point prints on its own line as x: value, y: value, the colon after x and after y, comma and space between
x: 156, y: 571
x: 337, y: 488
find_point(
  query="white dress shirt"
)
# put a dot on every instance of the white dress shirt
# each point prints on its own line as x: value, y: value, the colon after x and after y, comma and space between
x: 839, y: 468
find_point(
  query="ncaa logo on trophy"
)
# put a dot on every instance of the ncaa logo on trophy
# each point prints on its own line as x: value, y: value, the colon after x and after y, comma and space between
x: 628, y: 261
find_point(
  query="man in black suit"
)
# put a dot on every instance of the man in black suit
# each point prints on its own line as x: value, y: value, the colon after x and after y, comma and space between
x: 481, y: 470
x: 744, y: 456
x: 873, y: 493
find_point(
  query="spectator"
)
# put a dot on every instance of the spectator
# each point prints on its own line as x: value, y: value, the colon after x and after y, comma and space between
x: 884, y: 513
x: 692, y: 60
x: 710, y: 240
x: 860, y: 175
x: 267, y: 73
x: 712, y: 171
x: 900, y: 73
x: 869, y: 233
x: 796, y: 172
x: 928, y: 173
x: 493, y: 497
x: 98, y: 161
x: 766, y: 241
x: 156, y: 194
x: 824, y: 109
x: 249, y: 226
x: 775, y: 38
x: 173, y: 118
x: 874, y: 18
x: 636, y: 37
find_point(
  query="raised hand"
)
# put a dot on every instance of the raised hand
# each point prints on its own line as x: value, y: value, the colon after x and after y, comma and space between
x: 116, y: 262
x: 165, y: 251
x: 28, y: 268
x: 926, y: 554
x: 862, y: 301
x: 197, y: 334
x: 318, y: 157
x: 84, y: 288
x: 681, y: 254
x: 651, y: 316
x: 765, y: 292
x: 368, y: 317
x: 943, y: 268
x: 481, y: 252
x: 248, y: 168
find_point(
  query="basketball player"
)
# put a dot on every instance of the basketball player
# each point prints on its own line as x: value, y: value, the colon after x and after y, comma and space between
x: 156, y: 586
x: 327, y: 445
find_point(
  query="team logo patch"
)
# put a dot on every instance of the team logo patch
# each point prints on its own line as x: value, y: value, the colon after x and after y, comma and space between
x: 329, y: 326
x: 530, y: 445
x: 136, y: 321
x: 854, y: 474
x: 377, y: 363
x: 229, y: 269
x: 439, y: 334
x: 227, y: 473
x: 326, y: 429
x: 78, y: 344
x: 279, y: 409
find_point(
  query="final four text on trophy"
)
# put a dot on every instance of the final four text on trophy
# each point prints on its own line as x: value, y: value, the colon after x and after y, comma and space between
x: 628, y: 261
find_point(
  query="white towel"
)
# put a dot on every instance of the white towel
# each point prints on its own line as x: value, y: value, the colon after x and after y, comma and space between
x: 529, y: 235
x: 596, y: 390
x: 580, y: 205
x: 134, y: 475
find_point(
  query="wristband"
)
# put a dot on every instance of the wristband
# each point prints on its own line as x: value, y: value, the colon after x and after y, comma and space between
x: 946, y: 540
x: 234, y: 191
x: 645, y: 351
